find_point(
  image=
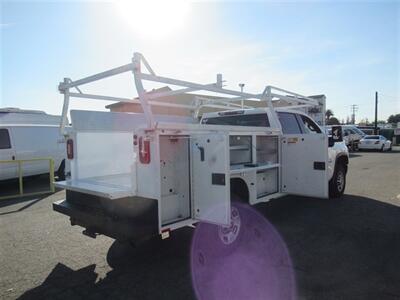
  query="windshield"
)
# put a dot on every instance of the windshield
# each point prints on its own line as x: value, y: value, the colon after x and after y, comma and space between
x: 357, y: 130
x: 256, y: 120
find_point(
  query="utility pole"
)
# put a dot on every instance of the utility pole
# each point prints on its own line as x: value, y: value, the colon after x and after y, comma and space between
x: 353, y: 108
x: 376, y: 113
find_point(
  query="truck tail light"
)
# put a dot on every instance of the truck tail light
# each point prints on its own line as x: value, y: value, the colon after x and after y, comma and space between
x: 70, y: 149
x: 144, y: 151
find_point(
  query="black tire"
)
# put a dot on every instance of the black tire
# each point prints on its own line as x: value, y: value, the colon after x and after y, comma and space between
x: 337, y: 184
x: 119, y: 253
x: 61, y: 171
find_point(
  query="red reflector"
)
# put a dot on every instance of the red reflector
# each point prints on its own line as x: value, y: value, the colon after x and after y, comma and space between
x: 144, y: 151
x: 70, y: 149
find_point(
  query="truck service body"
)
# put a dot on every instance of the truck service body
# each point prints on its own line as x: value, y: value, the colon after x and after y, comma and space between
x: 135, y: 175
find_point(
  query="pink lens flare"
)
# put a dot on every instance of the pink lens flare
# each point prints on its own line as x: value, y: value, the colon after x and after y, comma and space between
x: 254, y: 264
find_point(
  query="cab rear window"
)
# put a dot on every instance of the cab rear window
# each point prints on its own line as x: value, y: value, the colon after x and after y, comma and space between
x: 4, y: 139
x: 256, y: 120
x: 289, y: 123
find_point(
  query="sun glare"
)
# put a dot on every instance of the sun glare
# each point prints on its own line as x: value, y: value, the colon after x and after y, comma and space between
x: 154, y: 19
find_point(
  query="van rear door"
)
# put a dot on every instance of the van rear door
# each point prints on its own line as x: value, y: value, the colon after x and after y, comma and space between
x: 210, y: 178
x: 8, y: 170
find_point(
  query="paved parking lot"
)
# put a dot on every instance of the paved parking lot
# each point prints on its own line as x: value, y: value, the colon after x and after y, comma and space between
x: 347, y: 248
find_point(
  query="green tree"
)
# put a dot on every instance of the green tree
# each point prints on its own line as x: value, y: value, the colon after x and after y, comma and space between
x: 394, y: 118
x: 328, y: 114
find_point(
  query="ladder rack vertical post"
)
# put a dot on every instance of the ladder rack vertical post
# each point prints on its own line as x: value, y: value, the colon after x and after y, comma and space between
x: 137, y: 59
x: 65, y: 107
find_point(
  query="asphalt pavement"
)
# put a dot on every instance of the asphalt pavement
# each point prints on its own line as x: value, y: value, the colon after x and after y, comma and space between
x: 348, y: 248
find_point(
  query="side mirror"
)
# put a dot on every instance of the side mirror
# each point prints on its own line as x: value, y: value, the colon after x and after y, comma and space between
x: 337, y: 135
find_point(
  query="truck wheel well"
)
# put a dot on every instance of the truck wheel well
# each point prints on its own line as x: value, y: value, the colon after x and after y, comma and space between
x: 239, y: 190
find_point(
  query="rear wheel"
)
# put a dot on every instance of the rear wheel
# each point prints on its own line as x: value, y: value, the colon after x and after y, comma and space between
x: 337, y: 184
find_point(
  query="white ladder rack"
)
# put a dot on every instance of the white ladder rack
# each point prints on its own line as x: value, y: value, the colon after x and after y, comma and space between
x: 146, y: 100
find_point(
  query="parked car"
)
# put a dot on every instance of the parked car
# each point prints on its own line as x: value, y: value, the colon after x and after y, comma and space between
x: 375, y: 142
x: 351, y: 135
x: 29, y: 134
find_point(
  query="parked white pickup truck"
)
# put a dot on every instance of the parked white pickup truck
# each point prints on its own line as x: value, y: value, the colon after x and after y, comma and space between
x: 139, y: 175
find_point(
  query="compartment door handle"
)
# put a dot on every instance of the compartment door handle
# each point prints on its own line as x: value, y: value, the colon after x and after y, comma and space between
x: 201, y: 153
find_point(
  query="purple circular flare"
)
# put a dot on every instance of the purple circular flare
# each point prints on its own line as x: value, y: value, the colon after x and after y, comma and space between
x: 255, y: 265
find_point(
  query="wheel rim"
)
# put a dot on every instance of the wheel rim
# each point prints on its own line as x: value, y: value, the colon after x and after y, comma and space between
x: 228, y: 234
x: 340, y: 181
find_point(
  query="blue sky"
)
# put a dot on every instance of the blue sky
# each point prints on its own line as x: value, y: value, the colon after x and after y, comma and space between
x: 345, y: 50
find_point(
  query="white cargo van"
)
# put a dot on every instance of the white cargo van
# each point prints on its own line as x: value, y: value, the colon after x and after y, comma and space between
x: 27, y: 134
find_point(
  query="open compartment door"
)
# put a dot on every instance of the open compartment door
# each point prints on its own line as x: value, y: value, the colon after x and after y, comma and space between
x: 304, y: 165
x: 210, y: 178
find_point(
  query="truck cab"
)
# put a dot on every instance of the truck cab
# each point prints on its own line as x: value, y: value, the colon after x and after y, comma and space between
x: 301, y: 137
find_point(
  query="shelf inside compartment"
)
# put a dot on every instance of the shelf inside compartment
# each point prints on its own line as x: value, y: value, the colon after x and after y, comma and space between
x: 235, y: 169
x: 267, y: 149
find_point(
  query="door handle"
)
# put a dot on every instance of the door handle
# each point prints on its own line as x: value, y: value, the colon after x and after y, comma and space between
x: 201, y: 153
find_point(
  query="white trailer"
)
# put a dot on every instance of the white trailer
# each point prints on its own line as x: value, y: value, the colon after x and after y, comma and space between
x: 137, y: 175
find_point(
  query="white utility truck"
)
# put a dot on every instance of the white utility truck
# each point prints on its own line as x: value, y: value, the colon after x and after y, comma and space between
x: 30, y: 134
x: 135, y: 175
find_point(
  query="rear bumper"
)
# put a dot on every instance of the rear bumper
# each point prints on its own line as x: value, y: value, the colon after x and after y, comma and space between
x: 129, y: 218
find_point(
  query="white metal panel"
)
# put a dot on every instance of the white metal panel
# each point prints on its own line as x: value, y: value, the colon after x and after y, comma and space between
x: 210, y: 178
x: 112, y: 187
x: 37, y: 142
x: 175, y: 177
x: 299, y: 153
x: 103, y: 153
x: 148, y: 175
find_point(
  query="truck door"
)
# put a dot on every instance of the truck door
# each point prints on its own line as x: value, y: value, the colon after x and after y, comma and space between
x: 210, y: 178
x: 7, y: 170
x: 304, y: 149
